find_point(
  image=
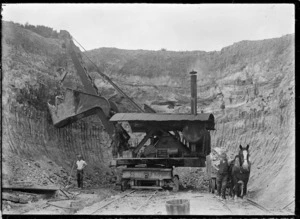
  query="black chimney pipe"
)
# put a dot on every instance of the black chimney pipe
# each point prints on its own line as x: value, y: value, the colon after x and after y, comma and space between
x: 193, y: 92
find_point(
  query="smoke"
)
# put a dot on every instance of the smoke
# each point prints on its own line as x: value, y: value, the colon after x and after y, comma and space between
x: 201, y: 68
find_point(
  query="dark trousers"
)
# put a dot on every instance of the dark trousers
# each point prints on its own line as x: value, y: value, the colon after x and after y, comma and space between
x: 222, y: 184
x: 80, y: 178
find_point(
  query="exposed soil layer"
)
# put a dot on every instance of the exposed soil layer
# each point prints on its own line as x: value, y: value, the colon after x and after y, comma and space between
x: 256, y: 87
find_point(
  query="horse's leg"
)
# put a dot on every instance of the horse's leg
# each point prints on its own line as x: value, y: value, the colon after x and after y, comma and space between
x: 241, y: 183
x: 235, y: 188
x: 230, y: 187
x: 238, y: 190
x: 245, y: 188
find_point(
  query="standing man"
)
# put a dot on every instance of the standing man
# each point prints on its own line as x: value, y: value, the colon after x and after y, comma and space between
x: 222, y: 175
x: 80, y: 166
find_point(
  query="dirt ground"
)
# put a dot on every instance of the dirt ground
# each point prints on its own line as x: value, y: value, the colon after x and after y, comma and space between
x: 201, y: 203
x: 59, y: 204
x: 108, y: 201
x: 101, y: 200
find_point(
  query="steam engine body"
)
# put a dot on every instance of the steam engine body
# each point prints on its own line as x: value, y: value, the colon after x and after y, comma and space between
x: 171, y: 140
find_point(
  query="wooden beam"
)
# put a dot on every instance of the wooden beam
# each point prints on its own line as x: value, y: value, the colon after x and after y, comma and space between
x: 145, y: 139
x: 14, y: 198
x: 60, y: 206
x: 81, y: 72
x: 31, y: 189
x: 109, y: 127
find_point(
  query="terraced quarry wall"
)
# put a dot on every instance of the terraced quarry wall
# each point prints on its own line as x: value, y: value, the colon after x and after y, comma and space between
x: 271, y: 137
x: 30, y: 81
x: 30, y: 134
x: 254, y: 79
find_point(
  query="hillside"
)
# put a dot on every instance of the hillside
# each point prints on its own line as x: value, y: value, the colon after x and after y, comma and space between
x: 246, y: 62
x: 30, y: 65
x: 254, y: 79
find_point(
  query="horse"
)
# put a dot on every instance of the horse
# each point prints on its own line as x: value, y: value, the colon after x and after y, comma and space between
x: 239, y: 171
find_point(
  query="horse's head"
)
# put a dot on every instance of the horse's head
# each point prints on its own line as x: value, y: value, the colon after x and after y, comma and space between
x: 244, y: 157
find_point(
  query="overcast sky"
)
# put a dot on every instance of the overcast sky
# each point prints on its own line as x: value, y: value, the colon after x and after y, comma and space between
x: 176, y: 27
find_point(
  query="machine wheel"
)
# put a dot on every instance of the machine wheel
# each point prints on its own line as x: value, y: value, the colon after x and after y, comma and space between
x: 176, y: 183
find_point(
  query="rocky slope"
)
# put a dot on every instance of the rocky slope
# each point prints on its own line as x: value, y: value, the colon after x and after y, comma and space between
x: 30, y: 80
x: 254, y: 80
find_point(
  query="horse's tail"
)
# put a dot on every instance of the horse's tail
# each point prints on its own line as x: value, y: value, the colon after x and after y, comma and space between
x: 242, y: 187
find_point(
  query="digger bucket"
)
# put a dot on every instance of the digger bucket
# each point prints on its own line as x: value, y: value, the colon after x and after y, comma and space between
x: 76, y: 105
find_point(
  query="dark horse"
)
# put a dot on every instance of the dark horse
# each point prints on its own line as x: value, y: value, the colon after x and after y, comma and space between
x: 239, y: 173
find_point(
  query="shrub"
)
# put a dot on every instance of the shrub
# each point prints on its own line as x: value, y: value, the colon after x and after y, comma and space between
x: 44, y: 31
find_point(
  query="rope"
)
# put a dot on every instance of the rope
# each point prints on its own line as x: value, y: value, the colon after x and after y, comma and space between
x: 109, y: 80
x: 85, y: 51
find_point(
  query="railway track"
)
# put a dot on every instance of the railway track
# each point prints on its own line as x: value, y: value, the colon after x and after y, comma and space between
x: 131, y: 194
x: 248, y: 201
x: 140, y: 201
x: 145, y: 204
x: 257, y: 205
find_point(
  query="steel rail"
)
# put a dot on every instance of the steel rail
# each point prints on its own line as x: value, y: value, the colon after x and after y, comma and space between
x: 146, y: 202
x: 257, y: 205
x: 251, y: 202
x: 288, y: 204
x: 225, y: 206
x: 113, y: 201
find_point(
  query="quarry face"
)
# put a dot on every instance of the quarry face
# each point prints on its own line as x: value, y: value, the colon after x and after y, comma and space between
x: 249, y: 87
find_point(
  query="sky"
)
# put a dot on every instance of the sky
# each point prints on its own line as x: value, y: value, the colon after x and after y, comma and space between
x: 176, y: 27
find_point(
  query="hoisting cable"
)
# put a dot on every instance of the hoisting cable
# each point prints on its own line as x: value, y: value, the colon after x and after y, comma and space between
x: 109, y: 80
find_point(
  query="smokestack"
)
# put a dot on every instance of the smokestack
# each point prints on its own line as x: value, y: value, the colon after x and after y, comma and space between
x: 193, y: 92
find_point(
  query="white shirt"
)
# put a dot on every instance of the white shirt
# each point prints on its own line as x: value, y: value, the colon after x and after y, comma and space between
x: 80, y: 164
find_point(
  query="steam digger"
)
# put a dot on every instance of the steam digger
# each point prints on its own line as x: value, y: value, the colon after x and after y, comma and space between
x: 170, y: 140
